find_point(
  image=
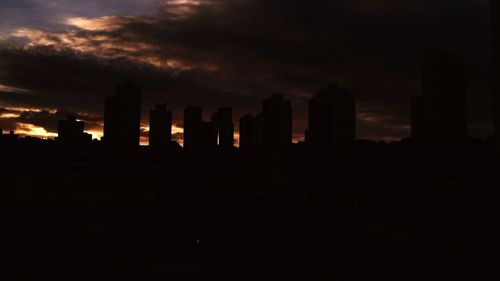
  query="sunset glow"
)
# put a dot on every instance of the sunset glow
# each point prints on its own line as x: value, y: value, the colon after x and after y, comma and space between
x: 94, y: 24
x: 9, y: 115
x: 67, y: 55
x: 34, y: 131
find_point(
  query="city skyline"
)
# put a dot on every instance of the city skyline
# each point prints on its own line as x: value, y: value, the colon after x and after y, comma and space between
x: 438, y: 117
x: 248, y: 139
x: 383, y: 77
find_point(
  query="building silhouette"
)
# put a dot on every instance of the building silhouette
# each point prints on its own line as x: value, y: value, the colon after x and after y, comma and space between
x: 160, y: 127
x: 192, y: 123
x: 440, y: 117
x: 214, y: 121
x: 277, y: 125
x: 332, y: 118
x: 496, y: 67
x: 71, y: 131
x: 222, y: 121
x: 122, y: 116
x: 11, y: 136
x: 417, y: 120
x: 259, y: 131
x: 206, y: 137
x: 247, y: 132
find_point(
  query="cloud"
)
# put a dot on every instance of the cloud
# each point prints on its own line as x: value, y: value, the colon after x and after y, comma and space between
x: 43, y: 122
x: 235, y: 53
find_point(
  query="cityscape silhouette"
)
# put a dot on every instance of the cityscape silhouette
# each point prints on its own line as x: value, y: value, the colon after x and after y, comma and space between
x: 229, y: 193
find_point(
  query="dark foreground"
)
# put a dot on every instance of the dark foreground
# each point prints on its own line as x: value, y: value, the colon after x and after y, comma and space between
x: 381, y: 213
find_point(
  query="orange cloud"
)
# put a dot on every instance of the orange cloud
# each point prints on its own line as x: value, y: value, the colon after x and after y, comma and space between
x: 94, y: 36
x: 34, y: 131
x: 94, y: 24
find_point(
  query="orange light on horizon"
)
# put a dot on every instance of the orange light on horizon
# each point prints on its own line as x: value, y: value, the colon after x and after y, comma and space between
x: 33, y: 131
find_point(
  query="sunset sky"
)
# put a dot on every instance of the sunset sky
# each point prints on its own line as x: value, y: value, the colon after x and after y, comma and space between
x: 65, y: 56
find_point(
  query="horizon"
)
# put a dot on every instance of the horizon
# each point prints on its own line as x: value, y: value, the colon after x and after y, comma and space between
x: 63, y: 57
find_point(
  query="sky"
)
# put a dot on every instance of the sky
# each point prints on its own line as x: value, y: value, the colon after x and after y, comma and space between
x: 60, y: 57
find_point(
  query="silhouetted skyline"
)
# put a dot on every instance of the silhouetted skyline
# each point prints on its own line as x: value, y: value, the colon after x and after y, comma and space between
x: 65, y: 58
x: 342, y: 140
x: 439, y: 117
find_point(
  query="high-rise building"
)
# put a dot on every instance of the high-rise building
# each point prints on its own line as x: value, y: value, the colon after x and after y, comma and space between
x: 496, y: 65
x: 214, y: 121
x: 222, y: 120
x: 71, y: 131
x: 332, y: 118
x: 160, y: 127
x: 444, y: 99
x: 247, y: 132
x: 206, y: 137
x: 417, y: 120
x: 259, y: 131
x: 277, y: 114
x: 122, y: 116
x: 193, y: 117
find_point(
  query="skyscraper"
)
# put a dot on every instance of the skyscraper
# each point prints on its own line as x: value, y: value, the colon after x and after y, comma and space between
x: 122, y: 116
x: 496, y: 65
x: 417, y: 120
x: 192, y: 123
x: 332, y: 118
x: 259, y: 131
x: 71, y: 131
x: 247, y: 132
x: 444, y: 99
x: 160, y: 127
x: 277, y: 114
x: 224, y: 126
x: 206, y: 137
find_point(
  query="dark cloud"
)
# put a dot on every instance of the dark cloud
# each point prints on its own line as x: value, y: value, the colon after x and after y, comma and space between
x: 48, y: 120
x: 235, y: 53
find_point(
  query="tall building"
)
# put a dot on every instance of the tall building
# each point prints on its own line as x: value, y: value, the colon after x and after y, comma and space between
x: 444, y: 99
x: 71, y: 131
x: 277, y: 114
x: 417, y: 120
x: 160, y: 127
x: 122, y: 116
x: 332, y: 118
x: 193, y: 116
x: 206, y: 137
x: 496, y: 65
x: 214, y: 120
x: 259, y: 131
x: 224, y: 126
x: 247, y: 132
